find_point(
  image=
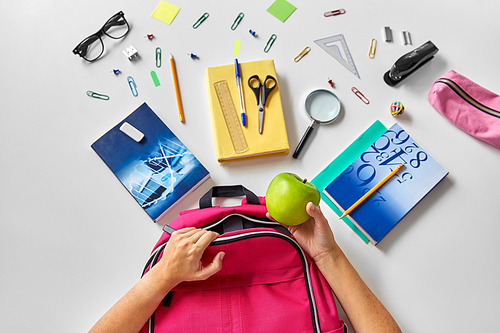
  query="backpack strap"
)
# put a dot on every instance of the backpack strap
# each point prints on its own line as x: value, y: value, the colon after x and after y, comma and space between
x: 168, y: 229
x: 228, y: 192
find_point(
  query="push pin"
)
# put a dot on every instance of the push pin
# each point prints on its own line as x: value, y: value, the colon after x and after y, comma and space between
x: 150, y: 37
x: 131, y: 53
x: 115, y: 71
x: 331, y: 83
x: 193, y: 56
x: 252, y: 33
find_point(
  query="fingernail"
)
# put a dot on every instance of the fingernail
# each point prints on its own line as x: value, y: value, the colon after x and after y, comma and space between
x: 222, y: 256
x: 313, y: 206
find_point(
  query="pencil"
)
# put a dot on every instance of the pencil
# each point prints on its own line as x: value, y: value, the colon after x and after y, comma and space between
x: 370, y: 192
x: 177, y: 91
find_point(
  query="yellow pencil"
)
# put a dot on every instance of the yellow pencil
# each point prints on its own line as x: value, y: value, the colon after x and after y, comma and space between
x: 370, y: 192
x: 177, y: 91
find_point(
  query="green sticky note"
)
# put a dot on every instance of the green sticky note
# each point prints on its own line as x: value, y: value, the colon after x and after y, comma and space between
x: 339, y: 164
x: 281, y: 9
x: 165, y: 12
x: 155, y: 78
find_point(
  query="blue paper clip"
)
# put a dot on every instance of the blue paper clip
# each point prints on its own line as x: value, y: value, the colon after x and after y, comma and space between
x: 132, y: 85
x: 270, y: 42
x: 237, y: 21
x: 200, y: 20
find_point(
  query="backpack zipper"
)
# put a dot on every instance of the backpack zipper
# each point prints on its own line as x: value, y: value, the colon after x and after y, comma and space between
x: 466, y: 97
x: 225, y: 240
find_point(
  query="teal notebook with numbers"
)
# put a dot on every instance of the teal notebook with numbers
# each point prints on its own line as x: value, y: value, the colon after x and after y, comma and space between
x: 335, y: 168
x: 380, y: 212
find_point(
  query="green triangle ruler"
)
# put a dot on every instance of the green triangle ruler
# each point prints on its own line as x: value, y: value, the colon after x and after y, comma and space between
x: 336, y: 46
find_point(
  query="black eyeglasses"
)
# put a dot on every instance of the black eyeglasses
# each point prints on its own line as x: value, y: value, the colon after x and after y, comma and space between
x: 92, y: 47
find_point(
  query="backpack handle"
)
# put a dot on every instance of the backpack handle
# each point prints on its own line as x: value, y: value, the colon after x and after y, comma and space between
x: 228, y: 191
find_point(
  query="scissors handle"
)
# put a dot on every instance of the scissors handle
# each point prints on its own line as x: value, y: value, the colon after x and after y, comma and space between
x: 255, y: 89
x: 267, y: 89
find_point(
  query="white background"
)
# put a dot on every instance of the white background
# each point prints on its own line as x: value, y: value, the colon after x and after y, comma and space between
x: 73, y: 241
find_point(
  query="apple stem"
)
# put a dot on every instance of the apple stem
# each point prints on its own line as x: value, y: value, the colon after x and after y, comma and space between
x: 305, y: 180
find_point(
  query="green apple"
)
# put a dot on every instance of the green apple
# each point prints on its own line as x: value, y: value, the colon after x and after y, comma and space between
x: 287, y: 197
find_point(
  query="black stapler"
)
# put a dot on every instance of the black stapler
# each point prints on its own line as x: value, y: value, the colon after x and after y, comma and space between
x: 409, y: 63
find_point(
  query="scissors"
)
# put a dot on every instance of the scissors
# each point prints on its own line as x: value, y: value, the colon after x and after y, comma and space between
x: 261, y: 92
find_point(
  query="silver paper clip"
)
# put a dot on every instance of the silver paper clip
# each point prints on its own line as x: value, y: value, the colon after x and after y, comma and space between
x: 132, y: 85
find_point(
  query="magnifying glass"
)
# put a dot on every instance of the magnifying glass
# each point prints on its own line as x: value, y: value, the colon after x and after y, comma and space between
x: 322, y: 107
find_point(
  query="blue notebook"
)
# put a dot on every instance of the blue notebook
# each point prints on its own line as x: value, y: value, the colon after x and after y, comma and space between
x: 378, y: 214
x: 159, y: 170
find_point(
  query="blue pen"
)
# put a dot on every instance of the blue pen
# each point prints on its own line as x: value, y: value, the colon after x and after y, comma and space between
x: 238, y: 83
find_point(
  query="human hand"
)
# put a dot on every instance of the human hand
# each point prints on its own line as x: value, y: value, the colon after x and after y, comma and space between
x: 315, y: 235
x: 181, y: 260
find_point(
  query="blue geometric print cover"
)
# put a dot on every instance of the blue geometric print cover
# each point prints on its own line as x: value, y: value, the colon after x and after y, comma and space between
x: 159, y: 170
x: 380, y: 212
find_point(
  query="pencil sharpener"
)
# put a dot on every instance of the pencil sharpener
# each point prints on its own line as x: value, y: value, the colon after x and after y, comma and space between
x: 130, y: 52
x: 409, y: 63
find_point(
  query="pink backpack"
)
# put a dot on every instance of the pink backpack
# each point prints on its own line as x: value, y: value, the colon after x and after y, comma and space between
x: 267, y: 282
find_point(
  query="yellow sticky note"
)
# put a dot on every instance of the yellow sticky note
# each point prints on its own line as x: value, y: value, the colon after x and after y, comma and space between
x: 237, y: 47
x: 165, y: 12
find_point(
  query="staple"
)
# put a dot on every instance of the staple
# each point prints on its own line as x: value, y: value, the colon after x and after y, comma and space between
x: 388, y: 34
x: 406, y: 37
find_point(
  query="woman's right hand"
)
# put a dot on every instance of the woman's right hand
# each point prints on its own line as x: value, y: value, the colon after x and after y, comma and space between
x: 315, y: 235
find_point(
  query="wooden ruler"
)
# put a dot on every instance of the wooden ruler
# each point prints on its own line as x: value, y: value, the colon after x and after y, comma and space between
x: 231, y: 117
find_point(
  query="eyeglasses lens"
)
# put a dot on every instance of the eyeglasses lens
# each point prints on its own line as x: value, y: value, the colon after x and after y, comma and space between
x: 91, y: 48
x: 116, y: 27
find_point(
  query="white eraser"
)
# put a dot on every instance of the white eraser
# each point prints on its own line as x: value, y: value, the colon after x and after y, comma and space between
x: 131, y: 131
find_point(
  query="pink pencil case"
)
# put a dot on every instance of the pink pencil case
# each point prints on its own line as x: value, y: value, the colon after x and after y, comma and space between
x: 468, y: 105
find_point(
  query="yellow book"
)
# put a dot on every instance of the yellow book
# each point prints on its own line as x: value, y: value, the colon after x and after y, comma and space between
x: 273, y: 140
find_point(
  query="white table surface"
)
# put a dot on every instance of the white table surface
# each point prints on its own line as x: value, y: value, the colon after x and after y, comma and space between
x: 73, y: 241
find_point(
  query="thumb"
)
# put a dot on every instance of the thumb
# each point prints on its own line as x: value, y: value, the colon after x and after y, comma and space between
x: 313, y: 210
x: 213, y: 267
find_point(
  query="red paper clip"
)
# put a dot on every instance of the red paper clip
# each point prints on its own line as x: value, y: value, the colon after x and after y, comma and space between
x: 360, y: 95
x: 335, y: 12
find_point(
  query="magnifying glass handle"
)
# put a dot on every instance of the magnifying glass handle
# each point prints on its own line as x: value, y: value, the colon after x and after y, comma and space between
x: 302, y: 142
